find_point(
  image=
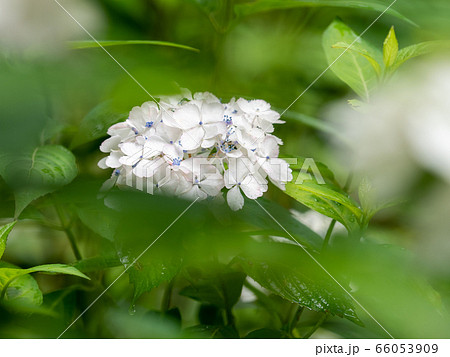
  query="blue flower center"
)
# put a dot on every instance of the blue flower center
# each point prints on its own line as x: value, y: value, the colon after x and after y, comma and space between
x: 149, y: 124
x: 228, y: 119
x: 228, y: 146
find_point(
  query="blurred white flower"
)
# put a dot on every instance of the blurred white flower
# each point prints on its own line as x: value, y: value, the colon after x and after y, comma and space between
x: 43, y: 25
x: 194, y: 146
x: 404, y: 129
x: 243, y: 175
x: 317, y: 222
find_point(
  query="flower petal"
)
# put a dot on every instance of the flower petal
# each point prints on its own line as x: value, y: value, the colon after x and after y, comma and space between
x: 235, y: 199
x: 113, y: 160
x: 102, y: 163
x: 212, y: 112
x: 110, y: 144
x: 252, y: 188
x: 187, y: 117
x: 191, y: 139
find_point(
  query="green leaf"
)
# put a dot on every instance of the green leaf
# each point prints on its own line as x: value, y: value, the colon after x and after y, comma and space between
x: 419, y: 49
x: 37, y: 173
x: 253, y: 7
x: 150, y: 275
x: 373, y: 62
x: 370, y: 204
x: 4, y: 232
x: 22, y: 291
x: 390, y: 48
x: 253, y: 214
x: 357, y: 105
x: 267, y: 333
x: 211, y: 331
x: 287, y: 271
x: 97, y: 263
x: 220, y: 287
x: 352, y: 68
x: 326, y: 199
x: 76, y: 45
x: 96, y: 123
x: 323, y: 170
x: 56, y: 269
x: 99, y: 218
x: 9, y: 275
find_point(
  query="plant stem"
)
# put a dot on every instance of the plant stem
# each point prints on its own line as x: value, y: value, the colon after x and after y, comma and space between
x: 73, y: 244
x: 316, y: 326
x: 165, y: 304
x: 69, y: 233
x: 228, y: 307
x: 295, y: 319
x: 328, y: 235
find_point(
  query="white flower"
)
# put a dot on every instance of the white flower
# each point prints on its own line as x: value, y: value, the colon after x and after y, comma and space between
x: 193, y: 146
x: 143, y: 119
x: 241, y: 177
x: 259, y: 114
x: 267, y: 157
x: 205, y: 179
x: 200, y: 123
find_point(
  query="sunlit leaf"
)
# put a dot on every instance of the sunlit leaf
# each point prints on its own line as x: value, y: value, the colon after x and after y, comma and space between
x: 390, y: 48
x: 37, y: 173
x: 362, y: 52
x: 287, y: 271
x: 23, y: 291
x: 95, y: 44
x: 15, y: 283
x: 419, y: 49
x: 326, y: 199
x: 352, y: 68
x: 4, y: 232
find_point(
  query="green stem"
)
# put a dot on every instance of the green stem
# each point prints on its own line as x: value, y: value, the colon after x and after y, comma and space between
x: 295, y: 319
x: 69, y: 233
x: 328, y: 235
x: 348, y: 182
x: 316, y: 326
x: 165, y: 304
x: 228, y: 308
x: 6, y: 286
x: 73, y: 244
x: 264, y: 300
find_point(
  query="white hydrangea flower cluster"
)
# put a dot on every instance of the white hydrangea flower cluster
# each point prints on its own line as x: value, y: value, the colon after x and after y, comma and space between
x: 194, y: 146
